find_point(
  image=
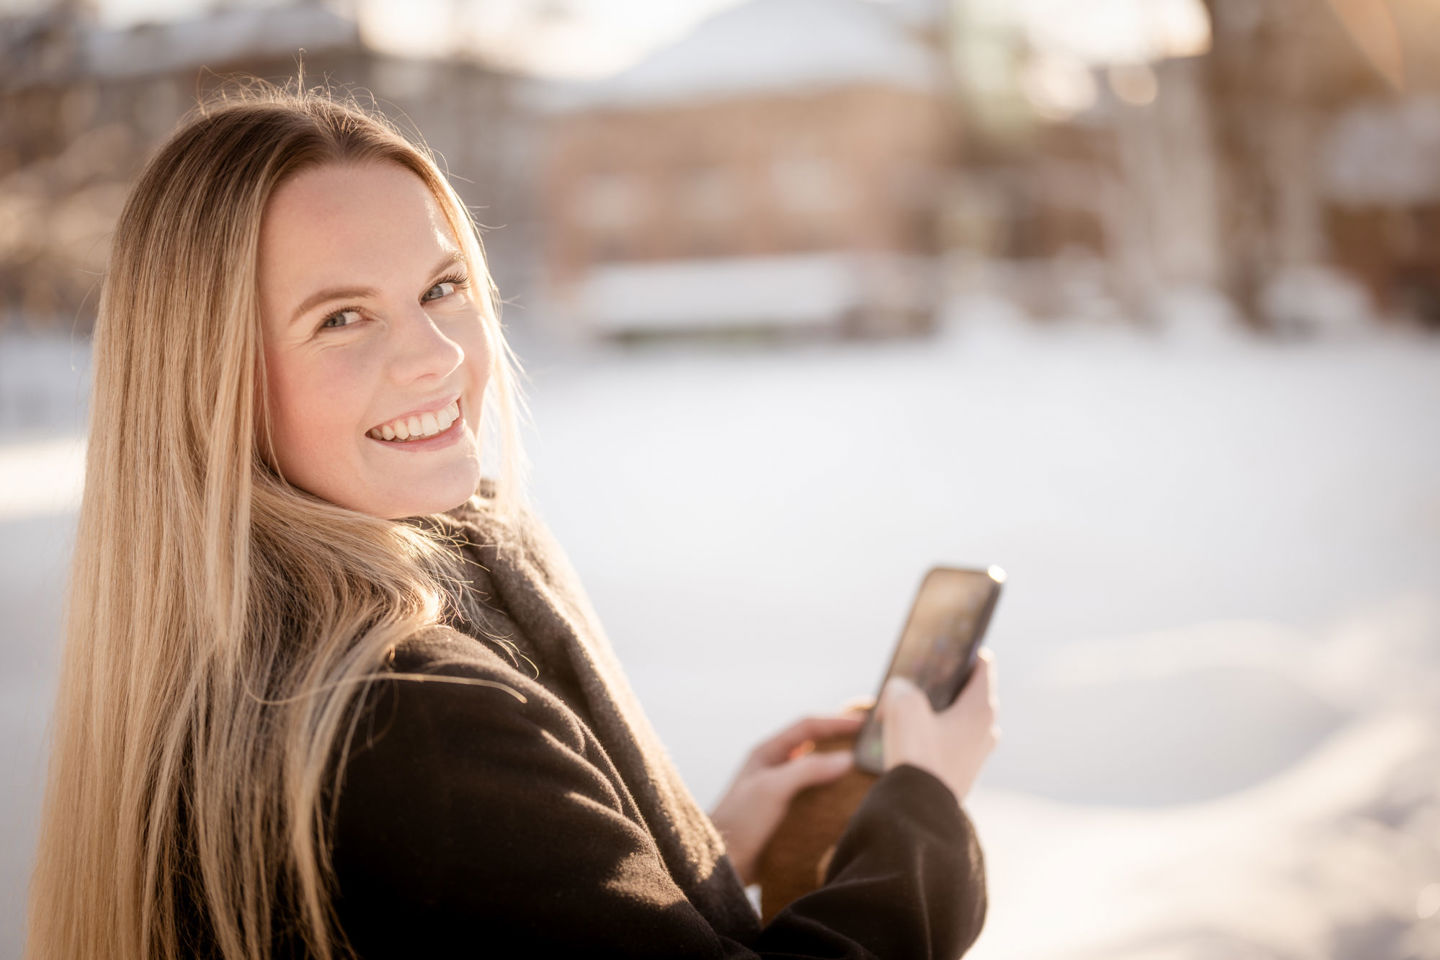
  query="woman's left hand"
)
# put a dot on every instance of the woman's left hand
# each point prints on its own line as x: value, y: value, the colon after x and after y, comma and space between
x: 775, y: 771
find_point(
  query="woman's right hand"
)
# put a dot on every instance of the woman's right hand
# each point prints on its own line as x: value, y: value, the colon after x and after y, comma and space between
x: 952, y: 743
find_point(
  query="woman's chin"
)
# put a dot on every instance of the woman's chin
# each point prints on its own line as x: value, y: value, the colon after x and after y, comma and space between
x: 414, y: 500
x: 420, y: 506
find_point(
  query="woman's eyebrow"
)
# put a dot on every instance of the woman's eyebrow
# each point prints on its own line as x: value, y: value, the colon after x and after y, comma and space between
x: 324, y: 296
x: 355, y: 293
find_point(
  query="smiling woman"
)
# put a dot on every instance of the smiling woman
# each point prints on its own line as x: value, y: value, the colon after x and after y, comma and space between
x: 372, y: 337
x: 327, y: 689
x: 288, y: 275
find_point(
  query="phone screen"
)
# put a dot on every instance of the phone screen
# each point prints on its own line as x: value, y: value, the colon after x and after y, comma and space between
x: 938, y: 646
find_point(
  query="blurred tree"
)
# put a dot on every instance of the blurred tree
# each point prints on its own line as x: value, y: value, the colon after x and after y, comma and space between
x: 1278, y: 74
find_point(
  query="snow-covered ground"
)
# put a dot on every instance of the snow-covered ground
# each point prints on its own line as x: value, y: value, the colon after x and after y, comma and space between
x: 1219, y: 646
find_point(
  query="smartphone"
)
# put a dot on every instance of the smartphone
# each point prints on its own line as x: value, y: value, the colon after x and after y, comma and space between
x: 938, y: 647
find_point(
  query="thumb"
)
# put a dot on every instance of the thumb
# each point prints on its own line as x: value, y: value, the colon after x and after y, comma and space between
x: 813, y: 768
x: 900, y: 694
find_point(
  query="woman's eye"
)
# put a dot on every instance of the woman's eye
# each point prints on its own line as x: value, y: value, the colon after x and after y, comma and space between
x: 445, y: 287
x: 442, y: 289
x: 340, y: 318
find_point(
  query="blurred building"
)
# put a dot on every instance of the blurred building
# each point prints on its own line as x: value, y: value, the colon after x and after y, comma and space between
x: 836, y: 165
x: 1288, y: 165
x: 777, y: 168
x: 81, y: 107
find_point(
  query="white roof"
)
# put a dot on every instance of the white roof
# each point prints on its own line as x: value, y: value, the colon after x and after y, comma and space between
x: 217, y: 38
x: 920, y: 14
x: 769, y: 45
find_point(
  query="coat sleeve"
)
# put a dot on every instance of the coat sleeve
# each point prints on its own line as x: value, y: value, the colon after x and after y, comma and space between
x: 476, y: 820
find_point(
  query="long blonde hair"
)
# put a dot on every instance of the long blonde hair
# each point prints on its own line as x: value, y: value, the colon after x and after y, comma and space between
x: 220, y: 622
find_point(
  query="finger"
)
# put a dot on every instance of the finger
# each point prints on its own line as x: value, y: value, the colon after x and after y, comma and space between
x: 983, y: 677
x: 779, y: 747
x: 990, y: 677
x: 858, y: 705
x: 978, y: 703
x: 811, y: 769
x: 783, y: 745
x: 901, y: 696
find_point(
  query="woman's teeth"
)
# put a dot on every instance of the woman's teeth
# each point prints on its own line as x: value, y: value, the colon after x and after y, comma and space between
x: 417, y: 428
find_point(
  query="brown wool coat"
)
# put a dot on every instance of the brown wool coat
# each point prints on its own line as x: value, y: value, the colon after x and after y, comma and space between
x: 535, y: 813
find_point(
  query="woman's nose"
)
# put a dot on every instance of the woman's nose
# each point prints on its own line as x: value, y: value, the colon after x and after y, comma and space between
x: 420, y: 349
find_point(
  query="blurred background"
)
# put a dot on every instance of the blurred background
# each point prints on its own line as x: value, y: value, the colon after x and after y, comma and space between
x: 1138, y: 299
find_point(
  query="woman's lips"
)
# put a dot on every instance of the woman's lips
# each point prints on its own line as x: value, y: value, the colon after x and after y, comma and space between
x: 418, y: 426
x: 444, y: 437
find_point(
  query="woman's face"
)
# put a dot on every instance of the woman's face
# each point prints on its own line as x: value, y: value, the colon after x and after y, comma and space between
x: 374, y: 340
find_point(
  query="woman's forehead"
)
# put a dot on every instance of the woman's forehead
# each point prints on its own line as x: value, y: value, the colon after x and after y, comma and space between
x: 328, y: 222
